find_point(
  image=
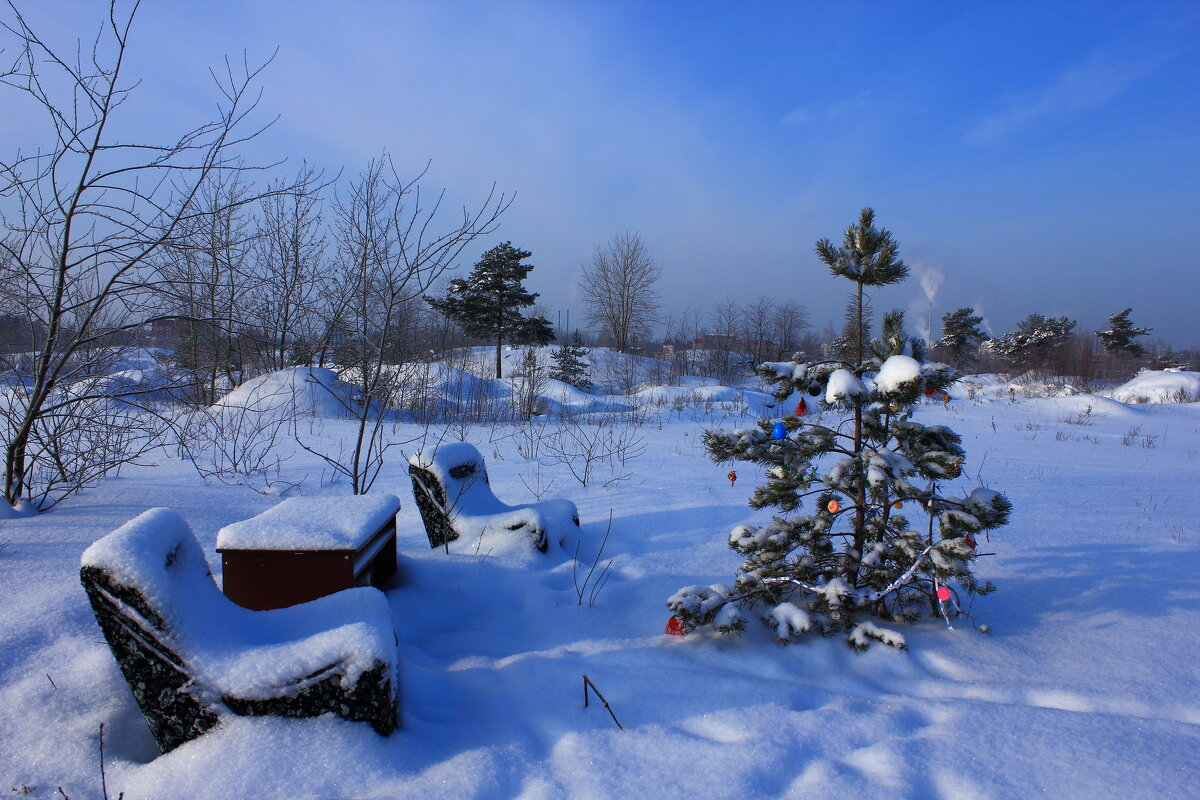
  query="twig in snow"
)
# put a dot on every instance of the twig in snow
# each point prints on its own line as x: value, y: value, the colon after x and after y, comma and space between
x: 588, y: 682
x: 601, y: 579
x: 103, y: 779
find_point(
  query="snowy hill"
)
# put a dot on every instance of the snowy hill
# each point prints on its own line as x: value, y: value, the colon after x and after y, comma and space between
x: 305, y: 390
x: 1160, y: 386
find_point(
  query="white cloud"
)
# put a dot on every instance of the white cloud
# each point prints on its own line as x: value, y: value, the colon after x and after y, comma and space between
x: 1081, y: 88
x: 855, y: 104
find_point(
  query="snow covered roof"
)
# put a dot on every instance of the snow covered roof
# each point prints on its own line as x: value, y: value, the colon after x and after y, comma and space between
x: 312, y: 523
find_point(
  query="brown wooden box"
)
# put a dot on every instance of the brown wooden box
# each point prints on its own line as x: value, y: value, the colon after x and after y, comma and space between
x: 263, y: 579
x: 305, y: 548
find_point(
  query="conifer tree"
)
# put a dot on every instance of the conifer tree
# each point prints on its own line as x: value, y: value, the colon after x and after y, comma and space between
x: 1119, y: 338
x: 961, y: 334
x: 855, y: 554
x: 487, y: 303
x: 1034, y: 340
x: 569, y: 366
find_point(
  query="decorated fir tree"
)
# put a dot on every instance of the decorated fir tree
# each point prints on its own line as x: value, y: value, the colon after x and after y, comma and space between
x: 865, y: 534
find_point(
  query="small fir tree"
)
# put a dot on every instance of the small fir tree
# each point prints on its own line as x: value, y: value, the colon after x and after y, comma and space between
x: 529, y: 385
x: 487, y: 304
x: 961, y: 334
x: 855, y: 555
x: 569, y: 366
x: 1119, y: 338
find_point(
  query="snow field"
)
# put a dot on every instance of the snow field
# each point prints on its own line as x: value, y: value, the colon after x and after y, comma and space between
x: 1086, y: 688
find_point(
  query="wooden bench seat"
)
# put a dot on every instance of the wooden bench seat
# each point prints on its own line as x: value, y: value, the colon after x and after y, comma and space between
x: 451, y: 488
x: 191, y: 656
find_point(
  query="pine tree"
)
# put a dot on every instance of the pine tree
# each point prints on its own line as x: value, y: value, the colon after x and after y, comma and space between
x: 1119, y: 337
x: 487, y: 303
x: 569, y: 366
x: 1034, y: 340
x: 855, y: 554
x: 961, y: 334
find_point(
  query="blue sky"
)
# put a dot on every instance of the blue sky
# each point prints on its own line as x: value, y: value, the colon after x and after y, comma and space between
x: 1028, y: 157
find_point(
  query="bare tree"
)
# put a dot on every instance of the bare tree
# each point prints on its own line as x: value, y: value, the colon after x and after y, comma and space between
x: 724, y: 321
x: 388, y: 255
x: 788, y: 324
x: 757, y: 329
x: 206, y: 278
x: 83, y: 218
x: 618, y: 289
x: 290, y: 272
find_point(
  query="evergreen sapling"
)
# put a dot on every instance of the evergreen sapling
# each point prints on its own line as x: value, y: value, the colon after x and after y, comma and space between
x: 569, y: 365
x: 854, y: 557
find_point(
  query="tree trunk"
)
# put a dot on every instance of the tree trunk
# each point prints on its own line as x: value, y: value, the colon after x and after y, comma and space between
x: 860, y: 500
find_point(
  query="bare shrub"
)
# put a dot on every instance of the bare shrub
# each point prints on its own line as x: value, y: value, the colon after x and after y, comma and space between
x: 585, y: 446
x: 239, y: 446
x: 596, y: 582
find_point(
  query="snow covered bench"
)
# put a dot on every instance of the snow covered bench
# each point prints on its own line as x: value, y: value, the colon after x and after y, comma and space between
x: 191, y: 655
x: 451, y: 488
x: 308, y: 547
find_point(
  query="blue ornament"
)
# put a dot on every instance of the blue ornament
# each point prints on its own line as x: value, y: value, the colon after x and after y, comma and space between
x: 779, y: 431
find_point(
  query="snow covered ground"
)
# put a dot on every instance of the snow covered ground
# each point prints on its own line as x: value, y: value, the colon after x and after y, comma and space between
x: 1086, y: 688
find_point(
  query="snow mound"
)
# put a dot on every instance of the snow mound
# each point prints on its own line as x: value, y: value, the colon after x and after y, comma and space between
x: 897, y: 374
x: 305, y: 390
x: 1160, y: 386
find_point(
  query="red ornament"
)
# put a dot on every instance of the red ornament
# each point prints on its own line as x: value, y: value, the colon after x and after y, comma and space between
x: 943, y: 594
x: 970, y: 540
x: 929, y: 391
x: 833, y: 506
x: 732, y: 477
x: 675, y: 627
x: 801, y: 408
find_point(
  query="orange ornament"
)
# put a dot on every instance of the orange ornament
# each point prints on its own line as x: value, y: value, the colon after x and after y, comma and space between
x: 833, y: 506
x: 897, y: 504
